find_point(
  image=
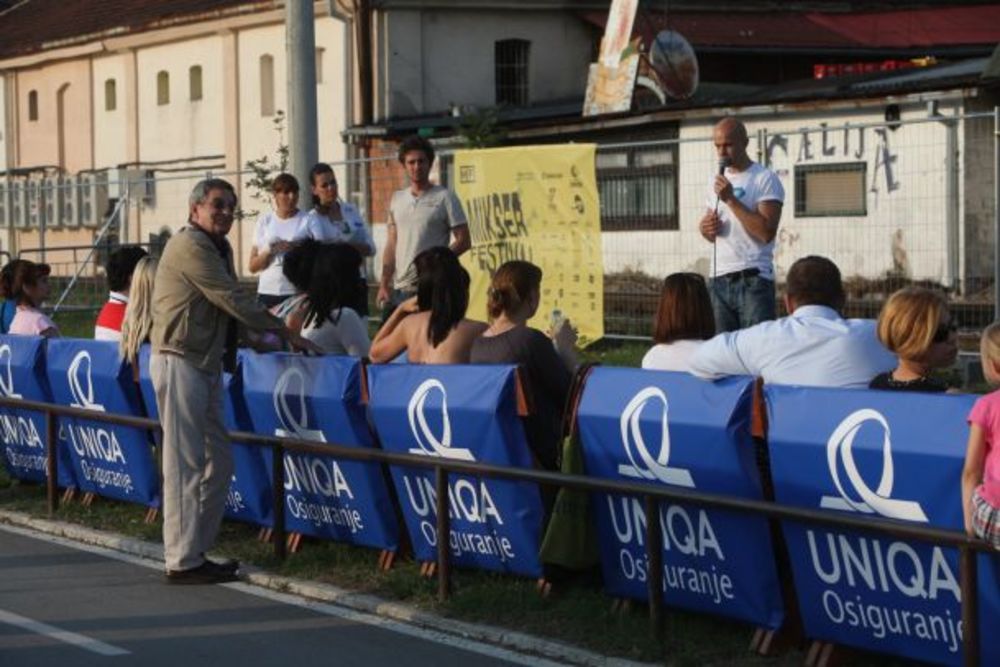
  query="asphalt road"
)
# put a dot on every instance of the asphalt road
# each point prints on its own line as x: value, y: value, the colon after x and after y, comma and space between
x: 61, y: 605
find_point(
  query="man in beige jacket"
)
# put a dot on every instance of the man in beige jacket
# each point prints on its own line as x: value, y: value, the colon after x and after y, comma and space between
x: 197, y: 307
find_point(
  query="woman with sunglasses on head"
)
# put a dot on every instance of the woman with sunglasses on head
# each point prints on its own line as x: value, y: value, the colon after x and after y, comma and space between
x: 915, y: 325
x: 333, y: 220
x: 276, y: 231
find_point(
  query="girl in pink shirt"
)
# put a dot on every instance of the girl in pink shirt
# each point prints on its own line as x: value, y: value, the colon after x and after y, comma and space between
x: 29, y: 289
x: 981, y: 476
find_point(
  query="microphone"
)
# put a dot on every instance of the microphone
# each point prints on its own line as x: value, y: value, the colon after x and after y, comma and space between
x: 723, y: 163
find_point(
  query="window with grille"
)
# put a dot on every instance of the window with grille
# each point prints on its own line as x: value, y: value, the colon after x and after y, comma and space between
x: 162, y: 88
x: 638, y: 188
x: 194, y: 83
x: 824, y: 190
x: 511, y: 59
x: 267, y: 85
x: 110, y: 95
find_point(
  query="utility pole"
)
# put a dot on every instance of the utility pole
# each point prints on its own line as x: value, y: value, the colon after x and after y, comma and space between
x: 300, y: 47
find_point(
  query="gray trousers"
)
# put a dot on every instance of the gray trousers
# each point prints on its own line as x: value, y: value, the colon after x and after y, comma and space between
x: 197, y: 458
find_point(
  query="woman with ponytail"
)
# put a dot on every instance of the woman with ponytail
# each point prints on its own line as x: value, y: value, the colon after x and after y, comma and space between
x: 548, y: 363
x: 431, y: 327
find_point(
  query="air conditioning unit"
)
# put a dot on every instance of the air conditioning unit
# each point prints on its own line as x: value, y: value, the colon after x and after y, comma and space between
x: 18, y: 203
x: 54, y: 197
x: 93, y: 198
x: 141, y: 185
x: 36, y: 202
x: 70, y: 217
x: 5, y: 204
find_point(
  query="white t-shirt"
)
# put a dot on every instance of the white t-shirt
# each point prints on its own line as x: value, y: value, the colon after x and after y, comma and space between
x: 736, y: 249
x: 271, y: 228
x: 349, y: 335
x: 671, y: 356
x: 350, y: 229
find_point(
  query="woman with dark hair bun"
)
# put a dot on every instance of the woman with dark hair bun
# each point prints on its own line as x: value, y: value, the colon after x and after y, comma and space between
x: 684, y: 319
x: 514, y: 296
x: 431, y: 327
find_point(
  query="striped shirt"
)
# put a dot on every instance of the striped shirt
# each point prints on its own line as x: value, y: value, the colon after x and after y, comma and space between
x: 109, y: 320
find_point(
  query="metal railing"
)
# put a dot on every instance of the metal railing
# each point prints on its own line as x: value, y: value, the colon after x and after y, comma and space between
x: 653, y: 496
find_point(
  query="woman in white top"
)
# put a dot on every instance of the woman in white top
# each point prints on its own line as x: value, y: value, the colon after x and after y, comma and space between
x: 326, y: 275
x: 684, y: 320
x: 333, y: 220
x: 276, y: 231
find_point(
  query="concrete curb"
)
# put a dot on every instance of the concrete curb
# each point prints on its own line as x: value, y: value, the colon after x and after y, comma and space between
x: 361, y: 602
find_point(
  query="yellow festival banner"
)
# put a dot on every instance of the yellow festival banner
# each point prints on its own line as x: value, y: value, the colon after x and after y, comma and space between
x: 539, y: 204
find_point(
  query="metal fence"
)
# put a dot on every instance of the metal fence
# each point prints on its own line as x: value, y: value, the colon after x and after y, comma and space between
x: 653, y: 499
x: 892, y: 202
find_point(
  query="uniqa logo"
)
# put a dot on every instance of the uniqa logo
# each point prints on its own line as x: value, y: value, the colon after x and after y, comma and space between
x: 292, y: 426
x: 643, y: 465
x: 429, y: 443
x: 7, y: 377
x: 877, y: 501
x: 82, y: 398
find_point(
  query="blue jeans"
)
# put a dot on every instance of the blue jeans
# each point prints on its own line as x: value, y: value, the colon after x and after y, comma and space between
x: 741, y: 301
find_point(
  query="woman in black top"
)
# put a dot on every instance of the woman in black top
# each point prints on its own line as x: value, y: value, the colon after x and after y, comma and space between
x: 915, y: 324
x: 514, y: 296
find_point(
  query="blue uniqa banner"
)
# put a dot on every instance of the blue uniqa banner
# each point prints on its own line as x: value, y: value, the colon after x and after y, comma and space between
x: 22, y: 432
x: 249, y: 497
x: 671, y: 429
x: 460, y: 413
x: 889, y: 455
x: 108, y: 460
x: 319, y: 399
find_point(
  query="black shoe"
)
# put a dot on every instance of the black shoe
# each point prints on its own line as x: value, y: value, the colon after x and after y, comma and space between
x: 206, y: 573
x: 226, y: 564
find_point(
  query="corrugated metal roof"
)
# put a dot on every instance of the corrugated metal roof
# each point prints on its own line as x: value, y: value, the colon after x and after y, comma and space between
x: 965, y: 69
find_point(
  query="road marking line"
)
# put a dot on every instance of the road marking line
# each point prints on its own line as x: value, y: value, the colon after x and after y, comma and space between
x: 328, y: 609
x: 52, y: 632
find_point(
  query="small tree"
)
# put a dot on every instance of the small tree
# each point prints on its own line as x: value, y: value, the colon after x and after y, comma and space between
x: 266, y: 167
x: 481, y: 128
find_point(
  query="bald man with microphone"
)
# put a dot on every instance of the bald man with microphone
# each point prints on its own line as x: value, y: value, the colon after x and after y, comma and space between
x: 741, y: 219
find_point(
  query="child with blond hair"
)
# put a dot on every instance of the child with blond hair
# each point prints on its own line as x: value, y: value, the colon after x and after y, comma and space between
x: 981, y: 476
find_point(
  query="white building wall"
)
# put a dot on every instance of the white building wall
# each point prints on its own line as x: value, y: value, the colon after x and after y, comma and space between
x: 904, y: 231
x: 331, y: 93
x: 435, y: 59
x: 182, y: 128
x: 110, y: 127
x: 258, y: 137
